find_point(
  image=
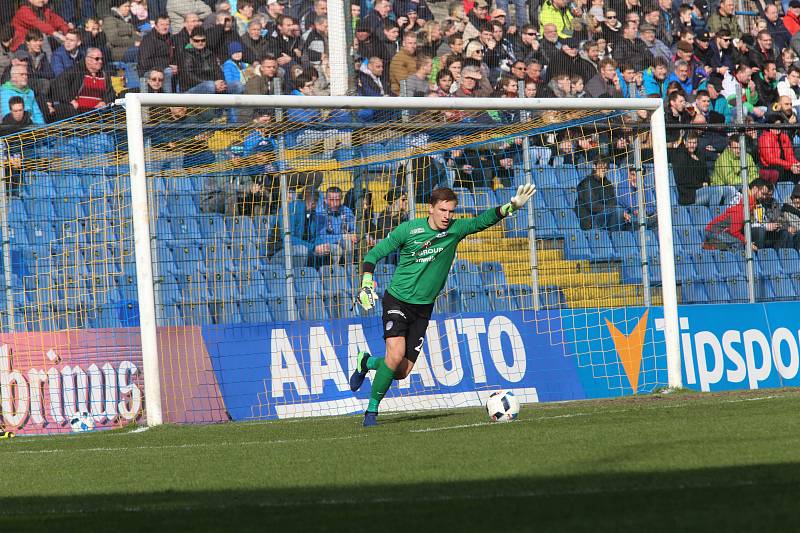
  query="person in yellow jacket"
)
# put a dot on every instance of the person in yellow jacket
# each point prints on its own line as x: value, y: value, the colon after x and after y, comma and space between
x: 556, y: 12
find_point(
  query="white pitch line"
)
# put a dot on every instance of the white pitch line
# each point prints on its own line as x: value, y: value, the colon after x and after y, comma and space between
x: 222, y: 444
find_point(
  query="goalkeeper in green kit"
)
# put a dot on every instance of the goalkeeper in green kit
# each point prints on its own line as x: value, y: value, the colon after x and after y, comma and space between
x: 427, y: 249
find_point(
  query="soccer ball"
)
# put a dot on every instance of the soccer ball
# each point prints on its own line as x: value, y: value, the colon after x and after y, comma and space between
x: 81, y: 422
x: 502, y: 406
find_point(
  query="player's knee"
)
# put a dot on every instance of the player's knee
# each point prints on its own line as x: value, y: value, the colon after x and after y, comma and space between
x: 402, y: 373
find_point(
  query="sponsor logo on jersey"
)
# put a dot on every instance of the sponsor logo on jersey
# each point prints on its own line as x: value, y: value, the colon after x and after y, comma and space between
x: 440, y: 235
x: 416, y: 231
x: 396, y: 312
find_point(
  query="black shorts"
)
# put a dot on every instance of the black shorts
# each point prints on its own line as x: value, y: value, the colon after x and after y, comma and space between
x: 401, y: 319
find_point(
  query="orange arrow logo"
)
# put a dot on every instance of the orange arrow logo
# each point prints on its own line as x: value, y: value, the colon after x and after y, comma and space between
x: 629, y: 348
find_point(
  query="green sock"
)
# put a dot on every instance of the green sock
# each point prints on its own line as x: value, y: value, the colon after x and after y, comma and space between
x: 373, y: 363
x: 380, y: 384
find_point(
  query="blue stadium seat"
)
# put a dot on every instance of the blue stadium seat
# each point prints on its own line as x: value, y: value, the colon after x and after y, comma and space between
x: 651, y: 238
x: 689, y: 238
x: 555, y: 199
x: 466, y: 274
x: 38, y: 185
x: 567, y: 176
x: 186, y: 230
x: 166, y: 315
x: 516, y: 226
x: 551, y: 297
x: 299, y: 257
x: 484, y: 198
x: 224, y: 287
x: 602, y: 249
x: 492, y: 274
x: 546, y: 227
x: 566, y: 219
x: 239, y: 227
x: 311, y: 308
x: 694, y: 293
x: 70, y: 185
x: 783, y: 191
x: 764, y: 290
x: 448, y: 302
x: 705, y: 263
x: 521, y: 297
x: 307, y: 282
x: 383, y: 275
x: 576, y: 246
x: 701, y: 215
x: 213, y: 227
x: 783, y: 288
x: 769, y: 262
x: 505, y: 194
x: 474, y: 300
x: 466, y: 202
x: 684, y: 269
x: 790, y: 261
x: 626, y: 243
x: 40, y: 232
x: 41, y: 209
x: 255, y: 311
x: 729, y: 264
x: 681, y: 217
x: 717, y: 292
x: 183, y: 205
x: 195, y: 313
x: 336, y: 279
x: 188, y: 259
x: 225, y: 312
x: 737, y: 287
x: 275, y: 279
x: 244, y: 255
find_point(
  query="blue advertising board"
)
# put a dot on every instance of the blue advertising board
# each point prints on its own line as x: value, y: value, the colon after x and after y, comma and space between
x: 281, y: 370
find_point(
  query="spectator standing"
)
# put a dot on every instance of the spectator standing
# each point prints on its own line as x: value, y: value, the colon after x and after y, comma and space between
x: 417, y: 84
x: 403, y: 63
x: 724, y: 18
x: 776, y: 28
x: 556, y: 12
x: 17, y: 87
x: 377, y: 18
x: 157, y: 51
x: 178, y: 9
x: 596, y: 204
x: 676, y: 113
x: 692, y: 178
x: 303, y: 220
x: 68, y: 54
x: 318, y: 9
x: 35, y: 15
x: 121, y: 32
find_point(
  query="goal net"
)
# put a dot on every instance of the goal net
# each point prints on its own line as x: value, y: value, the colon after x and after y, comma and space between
x: 199, y: 257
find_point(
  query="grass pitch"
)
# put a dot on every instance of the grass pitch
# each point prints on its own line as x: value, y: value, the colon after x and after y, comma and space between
x: 654, y: 463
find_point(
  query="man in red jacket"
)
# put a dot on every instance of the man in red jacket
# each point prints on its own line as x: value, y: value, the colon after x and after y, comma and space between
x: 35, y: 14
x: 792, y: 18
x: 776, y: 153
x: 726, y: 231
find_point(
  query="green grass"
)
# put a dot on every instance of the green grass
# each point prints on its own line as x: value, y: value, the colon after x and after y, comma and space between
x: 655, y: 463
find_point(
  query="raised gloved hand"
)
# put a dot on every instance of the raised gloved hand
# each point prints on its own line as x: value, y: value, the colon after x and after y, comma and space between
x: 518, y: 201
x: 366, y: 296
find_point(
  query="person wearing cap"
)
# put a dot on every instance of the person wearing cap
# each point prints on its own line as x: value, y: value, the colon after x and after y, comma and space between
x: 472, y: 84
x: 632, y: 50
x: 234, y: 68
x: 720, y: 57
x: 724, y: 18
x: 647, y: 32
x: 270, y: 14
x: 792, y: 18
x: 776, y: 28
x: 776, y: 154
x: 702, y: 49
x: 556, y: 12
x: 568, y: 61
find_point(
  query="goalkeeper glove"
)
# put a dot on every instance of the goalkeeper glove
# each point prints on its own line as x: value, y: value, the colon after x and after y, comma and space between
x: 518, y: 201
x: 366, y: 296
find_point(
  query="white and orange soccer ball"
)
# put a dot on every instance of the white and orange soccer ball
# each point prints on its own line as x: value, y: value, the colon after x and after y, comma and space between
x: 502, y: 406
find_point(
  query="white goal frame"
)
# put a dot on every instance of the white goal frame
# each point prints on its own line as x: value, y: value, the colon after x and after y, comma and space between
x: 141, y: 224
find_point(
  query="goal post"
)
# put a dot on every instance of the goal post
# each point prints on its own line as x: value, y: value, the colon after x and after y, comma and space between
x: 144, y: 229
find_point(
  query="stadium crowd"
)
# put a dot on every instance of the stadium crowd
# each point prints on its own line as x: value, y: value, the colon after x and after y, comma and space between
x: 60, y: 58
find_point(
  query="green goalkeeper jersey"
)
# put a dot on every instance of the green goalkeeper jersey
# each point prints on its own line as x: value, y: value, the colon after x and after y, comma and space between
x: 426, y: 254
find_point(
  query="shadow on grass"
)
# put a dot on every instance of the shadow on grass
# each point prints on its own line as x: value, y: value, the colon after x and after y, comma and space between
x: 751, y: 498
